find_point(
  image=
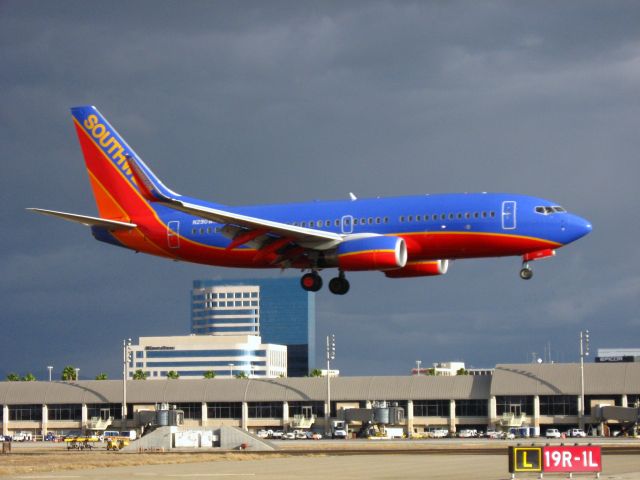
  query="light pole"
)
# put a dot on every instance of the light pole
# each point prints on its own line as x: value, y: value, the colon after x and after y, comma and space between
x: 126, y: 355
x: 584, y: 352
x: 418, y: 363
x: 231, y: 370
x: 50, y: 368
x: 77, y: 373
x: 331, y: 355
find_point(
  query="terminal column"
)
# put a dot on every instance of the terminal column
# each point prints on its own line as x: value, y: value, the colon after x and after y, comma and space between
x: 409, y: 418
x: 452, y: 416
x: 245, y: 416
x: 625, y: 400
x: 83, y: 416
x: 493, y: 411
x: 45, y: 420
x: 204, y: 416
x: 285, y: 414
x: 5, y: 420
x: 536, y: 414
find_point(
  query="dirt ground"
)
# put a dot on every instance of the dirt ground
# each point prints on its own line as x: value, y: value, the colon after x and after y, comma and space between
x: 39, y: 462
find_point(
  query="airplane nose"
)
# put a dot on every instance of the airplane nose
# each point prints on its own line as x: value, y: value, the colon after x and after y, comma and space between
x: 581, y: 227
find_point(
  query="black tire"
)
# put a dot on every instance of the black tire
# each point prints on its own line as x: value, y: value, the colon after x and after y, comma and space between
x: 526, y: 274
x: 339, y: 286
x: 311, y: 282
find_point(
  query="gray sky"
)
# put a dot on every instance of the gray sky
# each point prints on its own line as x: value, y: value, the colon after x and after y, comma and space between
x: 262, y: 102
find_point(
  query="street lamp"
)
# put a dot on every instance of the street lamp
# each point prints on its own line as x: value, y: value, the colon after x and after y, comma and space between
x: 126, y: 357
x: 331, y: 355
x: 77, y: 373
x: 418, y: 363
x: 50, y: 368
x: 584, y: 352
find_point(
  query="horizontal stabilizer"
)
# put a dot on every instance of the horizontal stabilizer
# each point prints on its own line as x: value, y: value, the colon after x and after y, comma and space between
x: 86, y: 220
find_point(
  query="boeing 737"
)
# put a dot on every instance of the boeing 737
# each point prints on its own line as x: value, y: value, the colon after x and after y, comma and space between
x: 409, y: 236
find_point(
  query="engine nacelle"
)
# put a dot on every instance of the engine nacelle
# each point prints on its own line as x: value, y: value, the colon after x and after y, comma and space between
x: 372, y: 253
x: 420, y: 269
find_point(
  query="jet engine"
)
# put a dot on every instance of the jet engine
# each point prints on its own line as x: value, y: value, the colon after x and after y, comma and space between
x: 372, y: 253
x: 420, y: 269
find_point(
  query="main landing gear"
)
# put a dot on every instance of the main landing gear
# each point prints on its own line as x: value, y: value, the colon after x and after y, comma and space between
x: 526, y: 273
x: 312, y: 282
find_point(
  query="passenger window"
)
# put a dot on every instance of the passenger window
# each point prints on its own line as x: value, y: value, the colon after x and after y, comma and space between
x: 451, y: 216
x: 493, y: 214
x: 201, y: 231
x: 363, y: 221
x: 327, y: 223
x: 484, y: 214
x: 355, y: 221
x: 386, y: 219
x: 410, y: 218
x: 418, y: 218
x: 443, y: 216
x: 337, y: 223
x: 377, y: 219
x: 475, y: 215
x: 370, y: 220
x: 467, y: 215
x: 193, y: 231
x: 303, y: 224
x: 401, y: 218
x: 459, y: 216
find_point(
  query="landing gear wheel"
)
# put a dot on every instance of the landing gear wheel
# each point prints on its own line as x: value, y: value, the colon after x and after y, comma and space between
x: 339, y: 285
x: 311, y: 282
x: 526, y: 273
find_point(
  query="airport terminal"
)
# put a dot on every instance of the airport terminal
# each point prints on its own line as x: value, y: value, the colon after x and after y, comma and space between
x: 534, y: 396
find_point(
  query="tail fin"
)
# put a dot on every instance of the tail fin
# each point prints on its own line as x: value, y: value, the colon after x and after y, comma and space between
x: 108, y: 159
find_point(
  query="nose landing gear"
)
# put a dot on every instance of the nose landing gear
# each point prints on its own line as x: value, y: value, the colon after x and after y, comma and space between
x: 526, y: 273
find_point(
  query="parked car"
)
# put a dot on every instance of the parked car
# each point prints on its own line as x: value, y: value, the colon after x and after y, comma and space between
x: 493, y: 434
x: 576, y: 432
x: 439, y: 433
x: 289, y: 436
x: 339, y: 433
x: 552, y: 433
x: 467, y: 433
x: 277, y: 434
x: 263, y: 433
x: 316, y: 436
x: 23, y: 437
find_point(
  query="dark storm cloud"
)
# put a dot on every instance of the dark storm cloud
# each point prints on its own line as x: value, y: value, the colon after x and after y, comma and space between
x: 282, y: 101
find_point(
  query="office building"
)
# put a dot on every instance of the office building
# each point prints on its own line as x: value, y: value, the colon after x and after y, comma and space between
x: 277, y: 309
x: 193, y: 355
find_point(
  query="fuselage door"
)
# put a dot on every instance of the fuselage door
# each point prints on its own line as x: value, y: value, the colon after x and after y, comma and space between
x: 508, y: 215
x: 173, y: 237
x: 346, y: 224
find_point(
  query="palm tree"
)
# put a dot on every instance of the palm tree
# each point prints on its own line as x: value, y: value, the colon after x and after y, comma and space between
x: 69, y: 373
x: 316, y: 372
x: 13, y: 377
x: 101, y: 376
x: 172, y: 374
x: 140, y: 375
x: 210, y: 374
x: 29, y: 377
x: 462, y: 371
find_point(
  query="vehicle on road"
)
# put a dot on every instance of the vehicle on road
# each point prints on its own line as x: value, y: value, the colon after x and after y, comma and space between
x: 576, y: 432
x: 339, y: 433
x: 552, y: 433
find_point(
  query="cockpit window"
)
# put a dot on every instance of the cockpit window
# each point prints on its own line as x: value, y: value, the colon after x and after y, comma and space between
x: 550, y: 210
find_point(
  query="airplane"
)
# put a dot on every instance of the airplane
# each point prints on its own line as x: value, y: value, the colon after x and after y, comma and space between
x: 402, y: 237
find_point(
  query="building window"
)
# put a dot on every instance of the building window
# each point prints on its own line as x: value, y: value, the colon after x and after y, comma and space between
x: 224, y: 410
x: 265, y: 409
x: 25, y: 412
x: 516, y: 404
x: 65, y: 411
x: 431, y: 408
x: 307, y: 409
x: 191, y: 410
x: 472, y: 408
x: 104, y: 410
x: 558, y: 405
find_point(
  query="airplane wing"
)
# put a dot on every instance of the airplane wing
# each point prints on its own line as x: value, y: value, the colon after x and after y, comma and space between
x: 155, y: 191
x: 86, y: 220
